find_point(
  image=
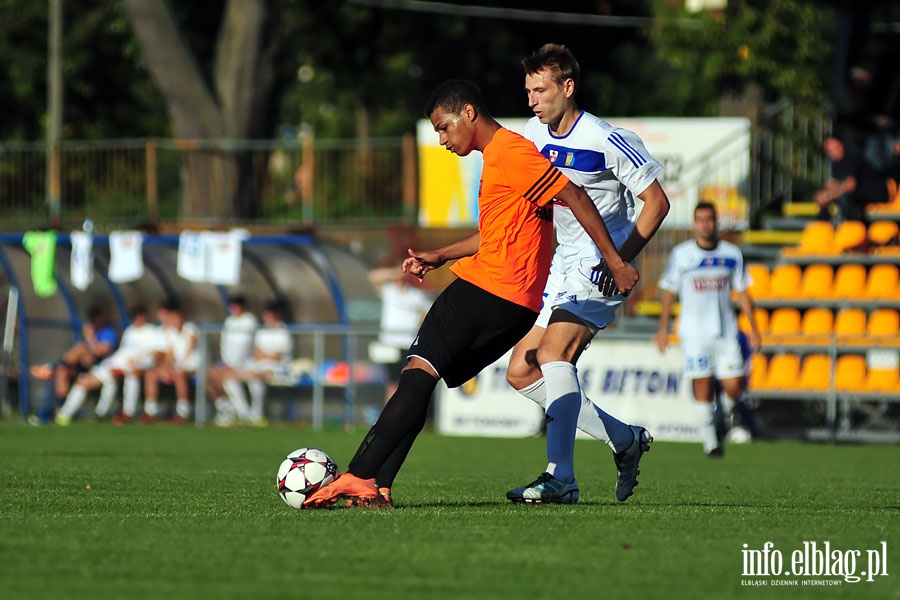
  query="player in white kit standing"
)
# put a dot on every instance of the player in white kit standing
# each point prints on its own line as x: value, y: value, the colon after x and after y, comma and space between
x: 703, y: 273
x: 613, y: 166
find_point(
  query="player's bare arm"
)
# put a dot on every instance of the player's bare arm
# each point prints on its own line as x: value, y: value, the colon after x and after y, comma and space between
x: 745, y: 302
x: 584, y: 209
x: 656, y: 207
x: 665, y: 314
x: 420, y: 263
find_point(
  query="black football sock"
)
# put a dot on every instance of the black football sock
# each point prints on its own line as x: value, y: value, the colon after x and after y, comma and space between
x: 402, y: 417
x: 388, y: 471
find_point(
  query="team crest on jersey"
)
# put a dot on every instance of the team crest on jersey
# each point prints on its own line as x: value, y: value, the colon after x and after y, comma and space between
x: 570, y: 159
x: 553, y: 156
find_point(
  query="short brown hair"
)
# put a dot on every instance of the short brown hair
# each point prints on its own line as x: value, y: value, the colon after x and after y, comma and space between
x: 557, y: 59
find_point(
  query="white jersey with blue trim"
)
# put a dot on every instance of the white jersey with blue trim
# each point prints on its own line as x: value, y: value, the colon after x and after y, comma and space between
x: 610, y: 163
x: 704, y: 280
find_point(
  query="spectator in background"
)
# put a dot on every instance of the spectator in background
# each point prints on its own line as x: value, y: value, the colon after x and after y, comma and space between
x: 98, y: 340
x: 235, y: 350
x: 853, y: 183
x: 403, y: 306
x: 174, y: 365
x: 273, y: 348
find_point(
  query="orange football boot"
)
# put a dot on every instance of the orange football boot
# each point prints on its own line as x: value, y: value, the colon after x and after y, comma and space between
x: 358, y: 492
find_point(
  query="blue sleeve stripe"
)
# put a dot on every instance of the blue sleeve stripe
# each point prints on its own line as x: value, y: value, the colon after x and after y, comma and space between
x: 619, y: 142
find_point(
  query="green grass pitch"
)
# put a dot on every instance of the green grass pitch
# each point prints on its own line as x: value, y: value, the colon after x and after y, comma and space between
x: 179, y: 512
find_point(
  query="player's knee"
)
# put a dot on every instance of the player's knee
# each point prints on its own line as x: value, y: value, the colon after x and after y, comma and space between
x: 522, y: 372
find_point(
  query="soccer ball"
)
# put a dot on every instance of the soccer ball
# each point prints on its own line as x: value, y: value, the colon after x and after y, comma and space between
x: 303, y: 472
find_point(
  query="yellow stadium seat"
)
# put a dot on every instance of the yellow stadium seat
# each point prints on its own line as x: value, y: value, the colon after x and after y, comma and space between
x: 782, y: 372
x: 816, y: 239
x: 883, y: 327
x: 850, y: 236
x: 849, y: 282
x: 850, y: 373
x: 759, y: 273
x: 817, y: 325
x: 784, y: 326
x: 883, y: 233
x: 817, y: 281
x: 881, y: 282
x: 762, y: 321
x: 785, y: 282
x: 815, y: 372
x: 758, y: 366
x: 883, y: 380
x: 850, y: 326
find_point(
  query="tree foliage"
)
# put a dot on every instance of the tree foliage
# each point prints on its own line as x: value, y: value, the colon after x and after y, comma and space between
x: 264, y: 68
x: 106, y: 92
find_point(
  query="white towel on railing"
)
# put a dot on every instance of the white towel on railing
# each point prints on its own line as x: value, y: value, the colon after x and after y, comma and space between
x: 191, y: 261
x: 224, y: 254
x: 81, y: 265
x: 211, y: 256
x: 126, y: 262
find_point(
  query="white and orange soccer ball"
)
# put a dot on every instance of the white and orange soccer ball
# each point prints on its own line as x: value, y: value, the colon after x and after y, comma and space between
x: 303, y: 472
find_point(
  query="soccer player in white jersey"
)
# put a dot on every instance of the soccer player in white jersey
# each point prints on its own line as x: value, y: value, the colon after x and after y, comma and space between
x: 235, y: 349
x: 703, y: 273
x: 273, y: 347
x: 613, y: 166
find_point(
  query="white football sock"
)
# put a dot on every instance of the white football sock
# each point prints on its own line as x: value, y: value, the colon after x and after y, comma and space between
x: 592, y: 419
x: 536, y: 392
x: 235, y: 391
x: 131, y: 390
x: 705, y: 414
x: 224, y: 407
x: 563, y: 407
x: 257, y: 389
x: 727, y: 404
x: 151, y: 407
x: 107, y: 397
x: 73, y: 402
x: 183, y: 408
x: 601, y: 425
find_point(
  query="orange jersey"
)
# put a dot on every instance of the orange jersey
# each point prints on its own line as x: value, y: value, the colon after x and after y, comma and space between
x: 515, y: 221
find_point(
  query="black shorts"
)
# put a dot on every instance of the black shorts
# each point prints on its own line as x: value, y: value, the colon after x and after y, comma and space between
x: 467, y: 329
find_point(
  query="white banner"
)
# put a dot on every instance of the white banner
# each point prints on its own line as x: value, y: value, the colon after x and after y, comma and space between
x: 629, y: 379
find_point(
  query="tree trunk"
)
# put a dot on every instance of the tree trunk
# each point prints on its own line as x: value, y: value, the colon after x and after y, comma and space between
x: 243, y: 79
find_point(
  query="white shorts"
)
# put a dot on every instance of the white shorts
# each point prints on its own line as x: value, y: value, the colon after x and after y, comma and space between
x: 719, y: 357
x: 270, y: 368
x: 572, y: 289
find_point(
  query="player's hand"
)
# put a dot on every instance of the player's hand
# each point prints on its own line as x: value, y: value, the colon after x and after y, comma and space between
x: 420, y: 263
x: 755, y: 340
x: 615, y: 281
x: 662, y: 340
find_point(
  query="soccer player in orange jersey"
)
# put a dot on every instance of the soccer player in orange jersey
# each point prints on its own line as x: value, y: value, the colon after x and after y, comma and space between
x: 501, y: 274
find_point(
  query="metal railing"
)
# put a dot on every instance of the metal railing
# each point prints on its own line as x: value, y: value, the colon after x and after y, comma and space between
x: 145, y: 181
x: 307, y: 181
